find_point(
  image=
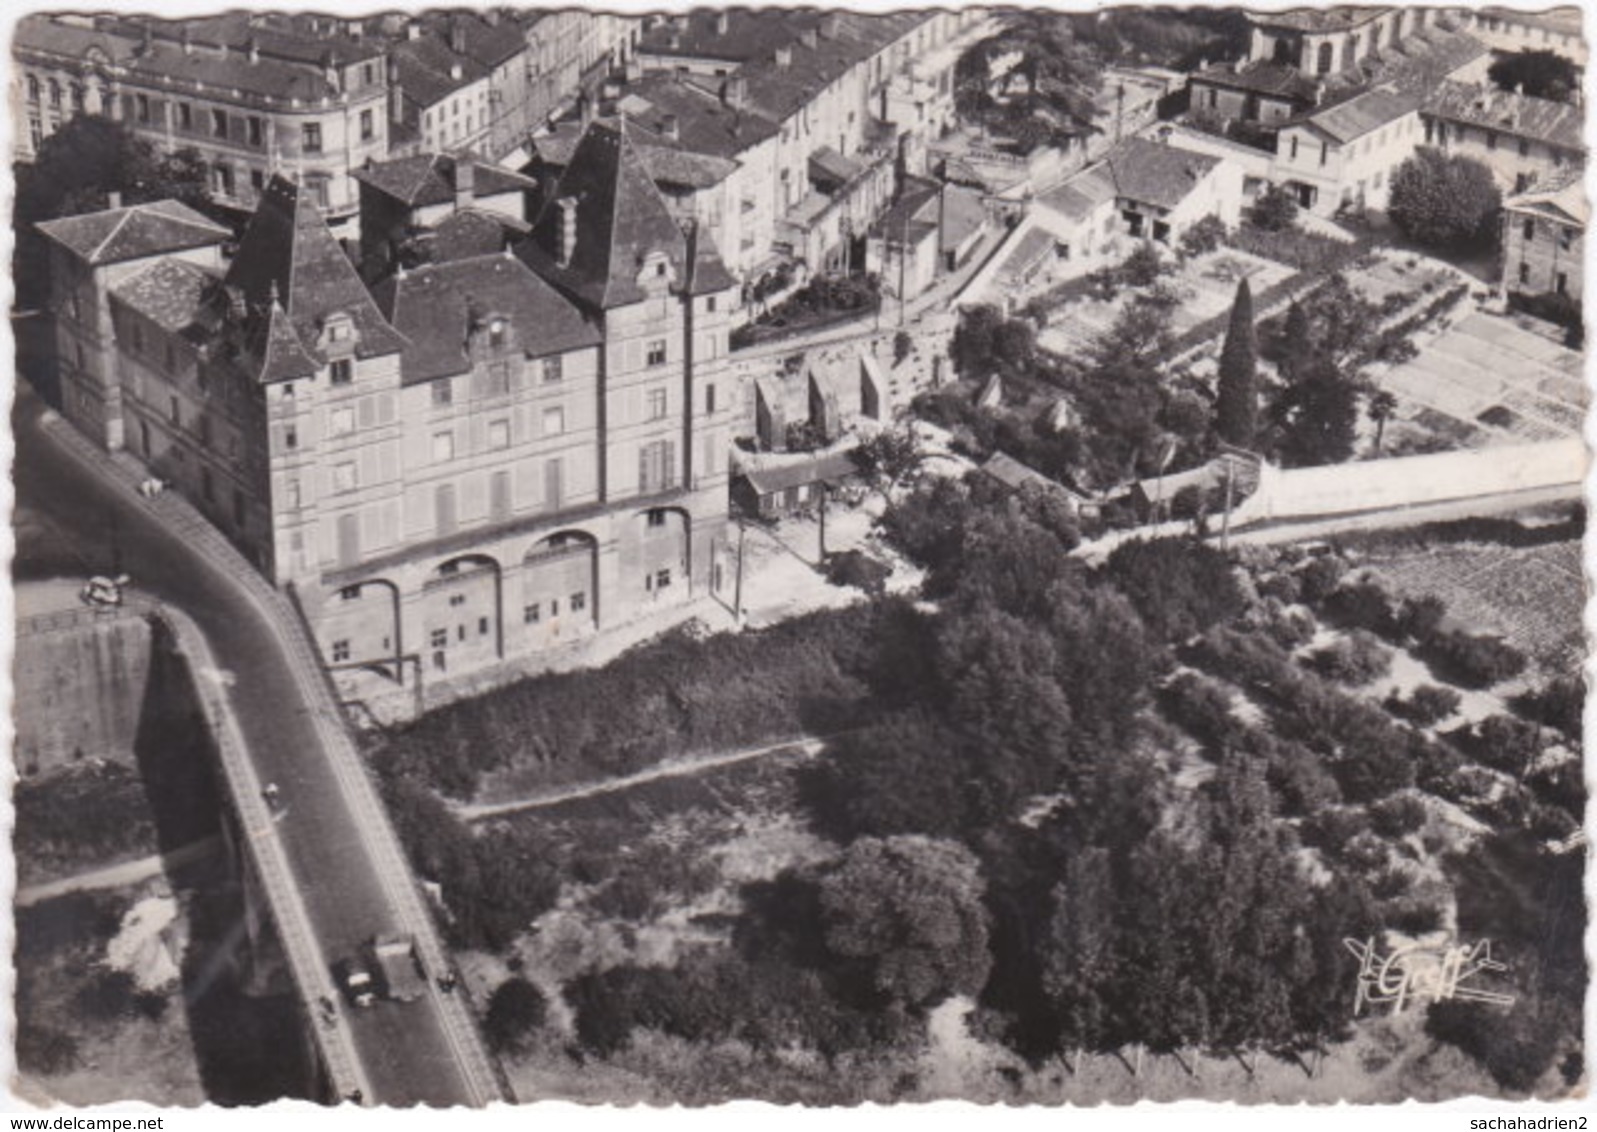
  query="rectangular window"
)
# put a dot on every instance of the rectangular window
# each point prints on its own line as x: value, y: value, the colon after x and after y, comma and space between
x: 709, y: 399
x: 657, y: 352
x: 553, y: 483
x: 1294, y: 147
x: 219, y: 123
x: 341, y: 421
x: 443, y: 447
x: 498, y: 434
x: 551, y: 370
x: 1566, y: 238
x: 657, y: 466
x: 291, y: 495
x: 290, y: 438
x: 1524, y: 273
x: 554, y: 421
x: 142, y: 101
x: 1491, y: 140
x: 657, y: 402
x: 342, y: 371
x: 254, y: 130
x: 579, y: 602
x: 709, y: 304
x: 482, y: 626
x: 367, y: 130
x: 443, y: 392
x: 344, y: 476
x: 176, y: 412
x: 497, y: 380
x: 1528, y: 231
x: 340, y: 652
x: 185, y: 115
x: 1524, y: 147
x: 1561, y: 284
x: 310, y: 137
x: 257, y: 180
x: 531, y: 614
x: 439, y: 638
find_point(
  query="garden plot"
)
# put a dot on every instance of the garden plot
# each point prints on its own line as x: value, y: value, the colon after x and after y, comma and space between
x: 1505, y: 378
x: 1531, y: 595
x: 1204, y: 287
x: 1385, y: 273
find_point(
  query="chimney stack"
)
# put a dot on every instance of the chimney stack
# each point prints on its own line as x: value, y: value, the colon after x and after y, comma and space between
x: 188, y: 41
x: 568, y: 230
x: 808, y: 38
x: 784, y: 57
x: 735, y: 92
x: 670, y: 127
x: 465, y: 182
x: 253, y: 50
x: 413, y: 30
x: 113, y: 199
x: 723, y: 21
x: 457, y: 37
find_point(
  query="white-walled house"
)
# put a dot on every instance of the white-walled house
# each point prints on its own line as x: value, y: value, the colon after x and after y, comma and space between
x: 1346, y: 154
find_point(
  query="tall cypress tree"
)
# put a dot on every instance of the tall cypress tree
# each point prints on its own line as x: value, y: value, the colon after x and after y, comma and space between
x: 1237, y: 395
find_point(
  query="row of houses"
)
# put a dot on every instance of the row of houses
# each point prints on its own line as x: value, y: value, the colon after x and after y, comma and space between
x: 314, y: 97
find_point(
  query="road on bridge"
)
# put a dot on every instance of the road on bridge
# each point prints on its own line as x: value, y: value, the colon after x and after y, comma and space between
x: 421, y: 1052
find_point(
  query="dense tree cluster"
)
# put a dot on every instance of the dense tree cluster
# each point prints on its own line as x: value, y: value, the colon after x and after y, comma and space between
x: 1046, y: 98
x: 1445, y: 201
x: 1539, y: 74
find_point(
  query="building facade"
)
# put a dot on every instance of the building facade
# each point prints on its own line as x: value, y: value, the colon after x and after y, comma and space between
x: 1524, y: 141
x: 1544, y: 241
x: 487, y: 458
x: 1344, y: 156
x: 250, y: 98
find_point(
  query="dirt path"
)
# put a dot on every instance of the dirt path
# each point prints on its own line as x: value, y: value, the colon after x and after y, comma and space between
x: 807, y: 745
x: 128, y: 872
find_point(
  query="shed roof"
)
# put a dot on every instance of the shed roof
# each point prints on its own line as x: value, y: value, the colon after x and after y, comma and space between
x: 118, y: 234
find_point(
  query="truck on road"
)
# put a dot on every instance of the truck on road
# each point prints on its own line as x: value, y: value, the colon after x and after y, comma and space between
x: 398, y: 967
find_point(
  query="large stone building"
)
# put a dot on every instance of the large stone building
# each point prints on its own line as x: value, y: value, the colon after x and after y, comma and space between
x: 1544, y: 239
x: 253, y: 98
x: 489, y: 457
x: 1345, y: 155
x: 1524, y: 141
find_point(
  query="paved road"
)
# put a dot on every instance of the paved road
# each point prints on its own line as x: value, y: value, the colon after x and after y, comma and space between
x: 421, y: 1052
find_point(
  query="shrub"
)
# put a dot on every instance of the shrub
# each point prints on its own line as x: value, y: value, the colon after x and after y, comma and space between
x: 1363, y: 605
x: 1356, y: 659
x: 1143, y: 267
x: 1331, y: 829
x: 858, y: 569
x: 1202, y: 706
x: 1398, y: 816
x: 1426, y: 706
x: 1180, y: 587
x: 902, y: 345
x: 1559, y: 704
x: 1505, y: 743
x: 1420, y: 618
x: 1290, y: 628
x: 1299, y: 779
x: 1444, y: 200
x: 515, y: 1010
x: 1473, y: 661
x: 1276, y: 209
x: 1319, y: 577
x: 1516, y: 1046
x: 1203, y: 237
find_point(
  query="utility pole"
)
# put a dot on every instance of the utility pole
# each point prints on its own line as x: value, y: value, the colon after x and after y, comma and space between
x: 821, y: 489
x: 903, y: 263
x: 737, y: 586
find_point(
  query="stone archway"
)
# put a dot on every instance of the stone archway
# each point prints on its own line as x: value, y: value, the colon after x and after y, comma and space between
x: 559, y: 588
x: 462, y: 614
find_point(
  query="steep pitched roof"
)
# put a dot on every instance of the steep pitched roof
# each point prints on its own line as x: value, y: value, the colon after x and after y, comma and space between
x: 434, y: 307
x: 1157, y: 174
x: 429, y: 71
x: 119, y: 234
x: 429, y: 178
x: 289, y: 257
x: 469, y: 232
x: 621, y: 219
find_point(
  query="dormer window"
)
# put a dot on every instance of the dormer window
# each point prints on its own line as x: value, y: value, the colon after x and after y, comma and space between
x: 496, y: 332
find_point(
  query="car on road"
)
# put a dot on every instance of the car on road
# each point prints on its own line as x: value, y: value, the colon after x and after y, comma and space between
x: 356, y: 982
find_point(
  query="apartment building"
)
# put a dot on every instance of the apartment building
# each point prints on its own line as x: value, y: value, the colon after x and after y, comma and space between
x: 486, y: 458
x: 1524, y: 141
x: 1345, y: 155
x: 253, y: 99
x: 1508, y: 30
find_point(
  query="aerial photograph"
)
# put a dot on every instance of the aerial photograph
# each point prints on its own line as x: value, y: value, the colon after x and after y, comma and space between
x: 809, y: 555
